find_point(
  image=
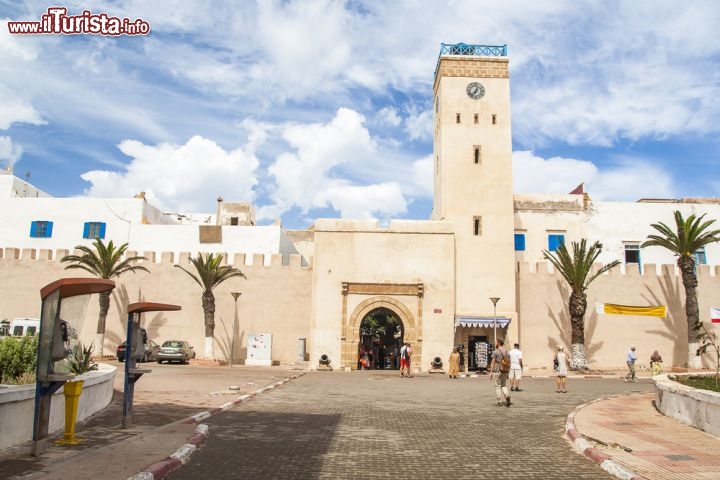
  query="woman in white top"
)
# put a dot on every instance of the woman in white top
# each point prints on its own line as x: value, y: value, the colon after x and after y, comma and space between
x: 562, y: 370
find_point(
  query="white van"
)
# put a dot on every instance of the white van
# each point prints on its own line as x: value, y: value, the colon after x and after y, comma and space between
x: 19, y: 327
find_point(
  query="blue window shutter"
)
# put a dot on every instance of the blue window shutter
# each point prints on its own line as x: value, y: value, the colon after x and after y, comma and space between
x: 33, y: 229
x: 554, y: 241
x: 86, y: 230
x: 102, y: 230
x: 519, y: 242
x: 48, y: 233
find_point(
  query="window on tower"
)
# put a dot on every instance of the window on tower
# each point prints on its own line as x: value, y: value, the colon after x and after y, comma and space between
x: 477, y: 226
x: 457, y: 118
x: 494, y: 119
x: 477, y: 119
x: 476, y: 154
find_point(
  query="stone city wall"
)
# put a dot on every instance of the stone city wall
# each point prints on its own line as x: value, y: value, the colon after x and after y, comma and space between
x: 545, y: 320
x: 276, y: 299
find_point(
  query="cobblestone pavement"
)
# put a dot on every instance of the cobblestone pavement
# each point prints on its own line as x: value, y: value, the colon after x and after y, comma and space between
x: 374, y: 425
x: 163, y: 397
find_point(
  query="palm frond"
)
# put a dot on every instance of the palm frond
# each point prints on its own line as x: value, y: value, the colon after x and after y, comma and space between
x: 689, y: 235
x: 209, y: 273
x: 103, y: 260
x: 576, y: 268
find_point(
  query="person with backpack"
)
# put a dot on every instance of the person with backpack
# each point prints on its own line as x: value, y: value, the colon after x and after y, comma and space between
x: 499, y: 369
x: 405, y: 360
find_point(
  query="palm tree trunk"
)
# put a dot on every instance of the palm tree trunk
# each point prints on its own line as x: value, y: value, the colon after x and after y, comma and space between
x: 104, y: 298
x: 577, y: 307
x: 208, y: 304
x: 689, y: 279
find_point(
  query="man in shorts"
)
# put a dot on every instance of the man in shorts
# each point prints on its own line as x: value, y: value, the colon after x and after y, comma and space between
x: 405, y: 360
x: 516, y: 367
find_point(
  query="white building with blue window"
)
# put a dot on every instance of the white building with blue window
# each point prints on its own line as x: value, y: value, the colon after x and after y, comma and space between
x: 32, y: 219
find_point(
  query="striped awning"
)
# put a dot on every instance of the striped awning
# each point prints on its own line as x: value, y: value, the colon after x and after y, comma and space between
x: 482, y: 322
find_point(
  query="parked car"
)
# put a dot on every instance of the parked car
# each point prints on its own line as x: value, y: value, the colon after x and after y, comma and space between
x: 151, y: 350
x: 175, y: 351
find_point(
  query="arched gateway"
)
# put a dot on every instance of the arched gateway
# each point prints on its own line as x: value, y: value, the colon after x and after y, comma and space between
x: 351, y: 328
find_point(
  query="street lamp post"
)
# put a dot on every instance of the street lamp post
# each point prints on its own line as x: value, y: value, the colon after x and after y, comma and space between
x: 494, y: 300
x: 235, y: 296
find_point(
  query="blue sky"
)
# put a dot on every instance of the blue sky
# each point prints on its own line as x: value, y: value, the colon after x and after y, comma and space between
x: 322, y: 108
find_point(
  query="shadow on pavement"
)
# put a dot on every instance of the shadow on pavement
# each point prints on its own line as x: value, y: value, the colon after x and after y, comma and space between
x: 99, y: 430
x: 264, y: 445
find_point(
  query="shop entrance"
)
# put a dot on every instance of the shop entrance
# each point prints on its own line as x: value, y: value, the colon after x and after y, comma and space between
x: 479, y: 352
x: 381, y: 336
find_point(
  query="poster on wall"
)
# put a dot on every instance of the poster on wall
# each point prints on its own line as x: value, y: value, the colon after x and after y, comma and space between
x: 259, y: 349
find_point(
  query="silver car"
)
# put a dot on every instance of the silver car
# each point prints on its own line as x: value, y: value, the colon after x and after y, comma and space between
x: 175, y: 351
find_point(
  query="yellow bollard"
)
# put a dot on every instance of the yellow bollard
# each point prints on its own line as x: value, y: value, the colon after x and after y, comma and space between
x: 71, y: 391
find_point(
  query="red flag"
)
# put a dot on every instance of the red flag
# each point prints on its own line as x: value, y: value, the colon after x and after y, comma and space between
x: 579, y: 190
x: 715, y: 315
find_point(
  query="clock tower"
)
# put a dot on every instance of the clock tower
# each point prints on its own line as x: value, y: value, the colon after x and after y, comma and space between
x: 473, y: 176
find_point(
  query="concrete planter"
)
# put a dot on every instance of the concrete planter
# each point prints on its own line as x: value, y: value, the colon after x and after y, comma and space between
x: 17, y: 405
x: 693, y: 407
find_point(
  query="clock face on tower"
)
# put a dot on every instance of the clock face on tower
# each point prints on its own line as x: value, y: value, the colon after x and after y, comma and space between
x: 475, y: 90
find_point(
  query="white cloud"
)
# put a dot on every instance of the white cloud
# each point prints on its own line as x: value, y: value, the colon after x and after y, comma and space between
x: 367, y: 201
x: 627, y: 179
x: 581, y: 74
x: 306, y: 177
x: 188, y: 177
x: 16, y: 46
x: 388, y: 116
x: 17, y: 112
x: 8, y: 151
x: 419, y: 125
x: 423, y: 174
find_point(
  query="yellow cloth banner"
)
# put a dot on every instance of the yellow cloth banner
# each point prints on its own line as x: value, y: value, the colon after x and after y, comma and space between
x: 654, y: 311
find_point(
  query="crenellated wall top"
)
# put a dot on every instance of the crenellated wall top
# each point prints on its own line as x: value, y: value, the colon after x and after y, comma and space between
x: 648, y: 269
x: 292, y: 261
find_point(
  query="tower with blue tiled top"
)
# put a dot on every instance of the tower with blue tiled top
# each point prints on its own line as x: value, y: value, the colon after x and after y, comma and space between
x: 473, y: 173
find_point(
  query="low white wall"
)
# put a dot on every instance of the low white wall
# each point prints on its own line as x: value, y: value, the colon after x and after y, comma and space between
x: 17, y: 405
x: 693, y: 407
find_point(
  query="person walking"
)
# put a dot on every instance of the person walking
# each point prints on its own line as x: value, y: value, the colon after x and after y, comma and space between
x: 499, y: 369
x: 561, y: 360
x: 454, y: 363
x: 516, y: 367
x: 405, y: 360
x: 631, y: 357
x: 656, y: 363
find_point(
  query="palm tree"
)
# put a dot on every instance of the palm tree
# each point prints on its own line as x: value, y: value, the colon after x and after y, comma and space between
x: 577, y: 271
x: 689, y: 235
x: 210, y: 274
x: 103, y: 261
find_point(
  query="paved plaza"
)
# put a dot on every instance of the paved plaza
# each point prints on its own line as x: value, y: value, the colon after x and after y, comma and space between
x: 374, y: 425
x: 282, y: 422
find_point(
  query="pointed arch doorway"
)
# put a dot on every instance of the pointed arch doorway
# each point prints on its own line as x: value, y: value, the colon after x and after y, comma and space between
x: 380, y: 303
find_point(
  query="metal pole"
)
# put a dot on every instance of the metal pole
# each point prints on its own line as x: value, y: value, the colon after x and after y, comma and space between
x: 235, y: 319
x: 494, y: 301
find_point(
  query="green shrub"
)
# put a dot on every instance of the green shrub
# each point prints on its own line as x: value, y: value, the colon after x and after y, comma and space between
x: 18, y: 357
